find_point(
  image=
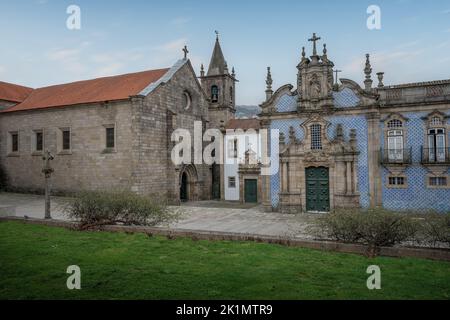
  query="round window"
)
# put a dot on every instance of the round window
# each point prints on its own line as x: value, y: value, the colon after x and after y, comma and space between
x: 186, y: 100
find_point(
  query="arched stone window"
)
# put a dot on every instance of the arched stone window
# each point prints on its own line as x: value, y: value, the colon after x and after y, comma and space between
x: 395, y: 135
x: 436, y: 150
x: 214, y: 93
x: 187, y: 100
x: 231, y: 94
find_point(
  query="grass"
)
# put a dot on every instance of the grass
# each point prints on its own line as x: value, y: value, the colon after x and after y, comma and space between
x: 34, y: 259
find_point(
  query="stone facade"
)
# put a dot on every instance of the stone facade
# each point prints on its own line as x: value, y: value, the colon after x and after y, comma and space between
x: 381, y: 146
x: 140, y: 160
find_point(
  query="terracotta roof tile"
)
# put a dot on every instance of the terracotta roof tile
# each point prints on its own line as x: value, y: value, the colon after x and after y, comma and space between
x: 243, y: 124
x: 13, y: 92
x: 90, y: 91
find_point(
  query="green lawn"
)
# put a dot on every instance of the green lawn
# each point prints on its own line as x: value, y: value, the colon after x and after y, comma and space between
x: 34, y: 259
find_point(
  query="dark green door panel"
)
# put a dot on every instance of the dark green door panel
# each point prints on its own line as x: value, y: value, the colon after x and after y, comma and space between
x: 251, y: 190
x: 317, y: 189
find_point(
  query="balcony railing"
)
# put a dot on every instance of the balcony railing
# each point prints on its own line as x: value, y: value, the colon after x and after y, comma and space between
x: 435, y: 155
x: 396, y: 156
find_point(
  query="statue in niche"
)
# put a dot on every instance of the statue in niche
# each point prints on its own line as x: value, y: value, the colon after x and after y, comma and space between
x: 314, y: 85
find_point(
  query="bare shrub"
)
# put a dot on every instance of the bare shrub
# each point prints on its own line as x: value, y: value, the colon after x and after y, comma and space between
x: 375, y: 228
x: 93, y: 209
x: 434, y: 229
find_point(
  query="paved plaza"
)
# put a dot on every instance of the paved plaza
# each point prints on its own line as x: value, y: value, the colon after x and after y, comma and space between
x: 202, y: 216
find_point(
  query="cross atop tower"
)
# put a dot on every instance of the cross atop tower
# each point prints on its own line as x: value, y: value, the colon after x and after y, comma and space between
x: 314, y: 39
x: 186, y: 51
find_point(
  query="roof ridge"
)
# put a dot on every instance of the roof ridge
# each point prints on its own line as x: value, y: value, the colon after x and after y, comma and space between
x: 99, y: 78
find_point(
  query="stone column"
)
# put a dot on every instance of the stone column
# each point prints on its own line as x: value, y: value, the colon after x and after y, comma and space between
x: 373, y: 127
x: 349, y: 178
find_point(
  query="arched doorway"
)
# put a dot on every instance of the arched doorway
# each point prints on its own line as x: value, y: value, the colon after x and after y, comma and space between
x: 184, y: 188
x: 188, y: 182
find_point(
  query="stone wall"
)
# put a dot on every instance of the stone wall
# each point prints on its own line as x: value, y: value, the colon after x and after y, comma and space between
x: 87, y: 165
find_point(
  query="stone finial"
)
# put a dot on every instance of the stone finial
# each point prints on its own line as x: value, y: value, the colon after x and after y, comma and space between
x: 368, y: 71
x: 292, y: 137
x: 233, y: 73
x: 303, y: 53
x: 269, y: 81
x: 282, y: 138
x: 202, y: 71
x: 380, y: 76
x: 339, y: 132
x: 352, y: 139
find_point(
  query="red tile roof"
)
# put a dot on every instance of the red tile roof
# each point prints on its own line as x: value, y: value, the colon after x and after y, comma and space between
x: 89, y: 91
x: 13, y: 92
x: 243, y: 124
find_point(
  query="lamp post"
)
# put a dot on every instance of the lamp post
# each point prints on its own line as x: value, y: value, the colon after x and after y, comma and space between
x: 47, y: 170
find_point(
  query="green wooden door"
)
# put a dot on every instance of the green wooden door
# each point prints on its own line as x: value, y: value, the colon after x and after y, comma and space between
x: 317, y: 189
x: 250, y: 190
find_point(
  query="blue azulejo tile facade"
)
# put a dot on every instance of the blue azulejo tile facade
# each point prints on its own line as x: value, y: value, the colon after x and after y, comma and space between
x: 417, y: 195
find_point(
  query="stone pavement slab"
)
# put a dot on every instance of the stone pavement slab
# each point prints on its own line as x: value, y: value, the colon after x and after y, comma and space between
x: 203, y: 216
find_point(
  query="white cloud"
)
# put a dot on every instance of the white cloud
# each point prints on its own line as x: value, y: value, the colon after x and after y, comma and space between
x: 108, y: 70
x: 180, y: 21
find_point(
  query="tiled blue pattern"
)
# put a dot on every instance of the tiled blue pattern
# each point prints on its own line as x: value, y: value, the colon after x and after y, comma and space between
x: 358, y: 123
x: 286, y: 103
x: 417, y: 196
x: 345, y: 98
x: 348, y: 122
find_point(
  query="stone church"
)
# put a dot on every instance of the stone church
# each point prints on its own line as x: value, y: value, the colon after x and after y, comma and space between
x: 115, y: 132
x: 342, y: 145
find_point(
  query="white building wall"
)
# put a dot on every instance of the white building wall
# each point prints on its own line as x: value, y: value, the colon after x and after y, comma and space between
x: 250, y: 139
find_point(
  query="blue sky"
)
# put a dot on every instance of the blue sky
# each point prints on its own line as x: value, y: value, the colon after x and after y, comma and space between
x: 126, y: 36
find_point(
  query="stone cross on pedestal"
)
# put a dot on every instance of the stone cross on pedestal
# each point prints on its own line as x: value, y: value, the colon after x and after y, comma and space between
x: 314, y: 39
x: 186, y: 51
x: 47, y: 170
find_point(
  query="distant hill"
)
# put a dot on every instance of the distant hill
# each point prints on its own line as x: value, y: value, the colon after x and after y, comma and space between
x: 247, y: 112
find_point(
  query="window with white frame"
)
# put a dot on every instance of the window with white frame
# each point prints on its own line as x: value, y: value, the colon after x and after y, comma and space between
x: 436, y: 145
x: 316, y: 137
x: 395, y: 140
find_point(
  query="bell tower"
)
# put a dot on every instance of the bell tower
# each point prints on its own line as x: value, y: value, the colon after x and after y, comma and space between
x: 220, y: 86
x: 315, y: 80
